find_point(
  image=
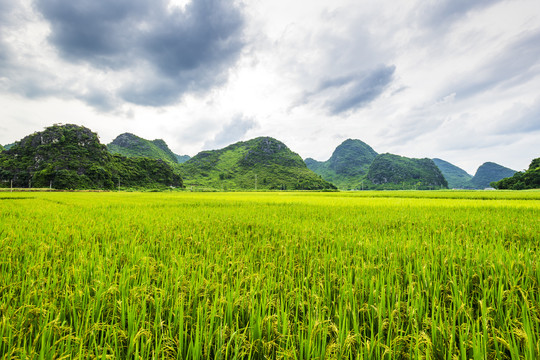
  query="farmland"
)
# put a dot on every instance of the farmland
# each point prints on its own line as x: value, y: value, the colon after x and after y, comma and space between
x: 292, y: 275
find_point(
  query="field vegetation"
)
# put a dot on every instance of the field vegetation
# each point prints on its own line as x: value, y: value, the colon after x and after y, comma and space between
x: 290, y: 275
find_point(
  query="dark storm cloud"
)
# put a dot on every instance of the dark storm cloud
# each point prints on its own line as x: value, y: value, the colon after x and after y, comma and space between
x: 99, y: 32
x: 154, y: 90
x: 205, y: 34
x: 169, y: 51
x: 231, y: 133
x: 354, y: 91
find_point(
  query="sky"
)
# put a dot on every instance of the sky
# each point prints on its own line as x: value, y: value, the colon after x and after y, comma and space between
x: 452, y: 79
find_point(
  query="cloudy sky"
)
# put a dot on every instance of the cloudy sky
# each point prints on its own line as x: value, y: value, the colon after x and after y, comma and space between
x: 454, y: 79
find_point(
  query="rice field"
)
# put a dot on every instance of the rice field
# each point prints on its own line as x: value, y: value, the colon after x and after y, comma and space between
x: 366, y: 275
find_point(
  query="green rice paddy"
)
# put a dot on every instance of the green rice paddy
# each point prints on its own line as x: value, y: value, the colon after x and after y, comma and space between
x: 367, y: 275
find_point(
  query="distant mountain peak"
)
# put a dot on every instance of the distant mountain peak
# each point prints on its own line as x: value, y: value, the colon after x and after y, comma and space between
x: 352, y: 157
x: 349, y: 162
x: 125, y: 139
x: 489, y: 172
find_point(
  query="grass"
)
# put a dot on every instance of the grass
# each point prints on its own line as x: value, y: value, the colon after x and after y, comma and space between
x: 364, y: 275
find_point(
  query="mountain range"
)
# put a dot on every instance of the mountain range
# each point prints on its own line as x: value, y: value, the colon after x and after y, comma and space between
x: 71, y: 156
x: 355, y: 165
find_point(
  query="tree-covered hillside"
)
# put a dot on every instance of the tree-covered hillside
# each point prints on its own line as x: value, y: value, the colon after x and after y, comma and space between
x: 456, y: 177
x: 130, y: 145
x: 390, y: 171
x: 261, y: 163
x: 529, y: 179
x: 1, y: 148
x: 489, y: 172
x: 347, y: 166
x: 71, y: 157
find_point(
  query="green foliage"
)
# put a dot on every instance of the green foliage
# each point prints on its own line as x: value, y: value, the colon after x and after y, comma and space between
x: 390, y: 171
x: 144, y: 172
x: 1, y: 148
x: 182, y: 158
x: 456, y: 177
x: 71, y: 157
x: 347, y: 166
x: 262, y: 163
x: 488, y: 173
x: 314, y: 165
x: 130, y: 145
x: 364, y: 275
x: 530, y: 179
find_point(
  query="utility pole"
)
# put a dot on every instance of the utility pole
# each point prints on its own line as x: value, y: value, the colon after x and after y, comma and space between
x: 50, y: 185
x: 118, y: 184
x: 12, y: 185
x: 255, y: 182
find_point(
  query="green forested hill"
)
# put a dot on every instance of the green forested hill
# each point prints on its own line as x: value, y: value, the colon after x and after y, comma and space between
x: 530, y: 179
x: 71, y: 157
x: 261, y: 163
x: 489, y: 172
x: 390, y: 171
x: 1, y: 148
x: 456, y: 177
x: 347, y: 166
x: 130, y: 145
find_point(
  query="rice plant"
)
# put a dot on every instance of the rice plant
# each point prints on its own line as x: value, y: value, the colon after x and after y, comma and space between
x: 368, y: 275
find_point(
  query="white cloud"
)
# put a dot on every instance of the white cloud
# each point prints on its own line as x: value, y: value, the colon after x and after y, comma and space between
x: 457, y: 80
